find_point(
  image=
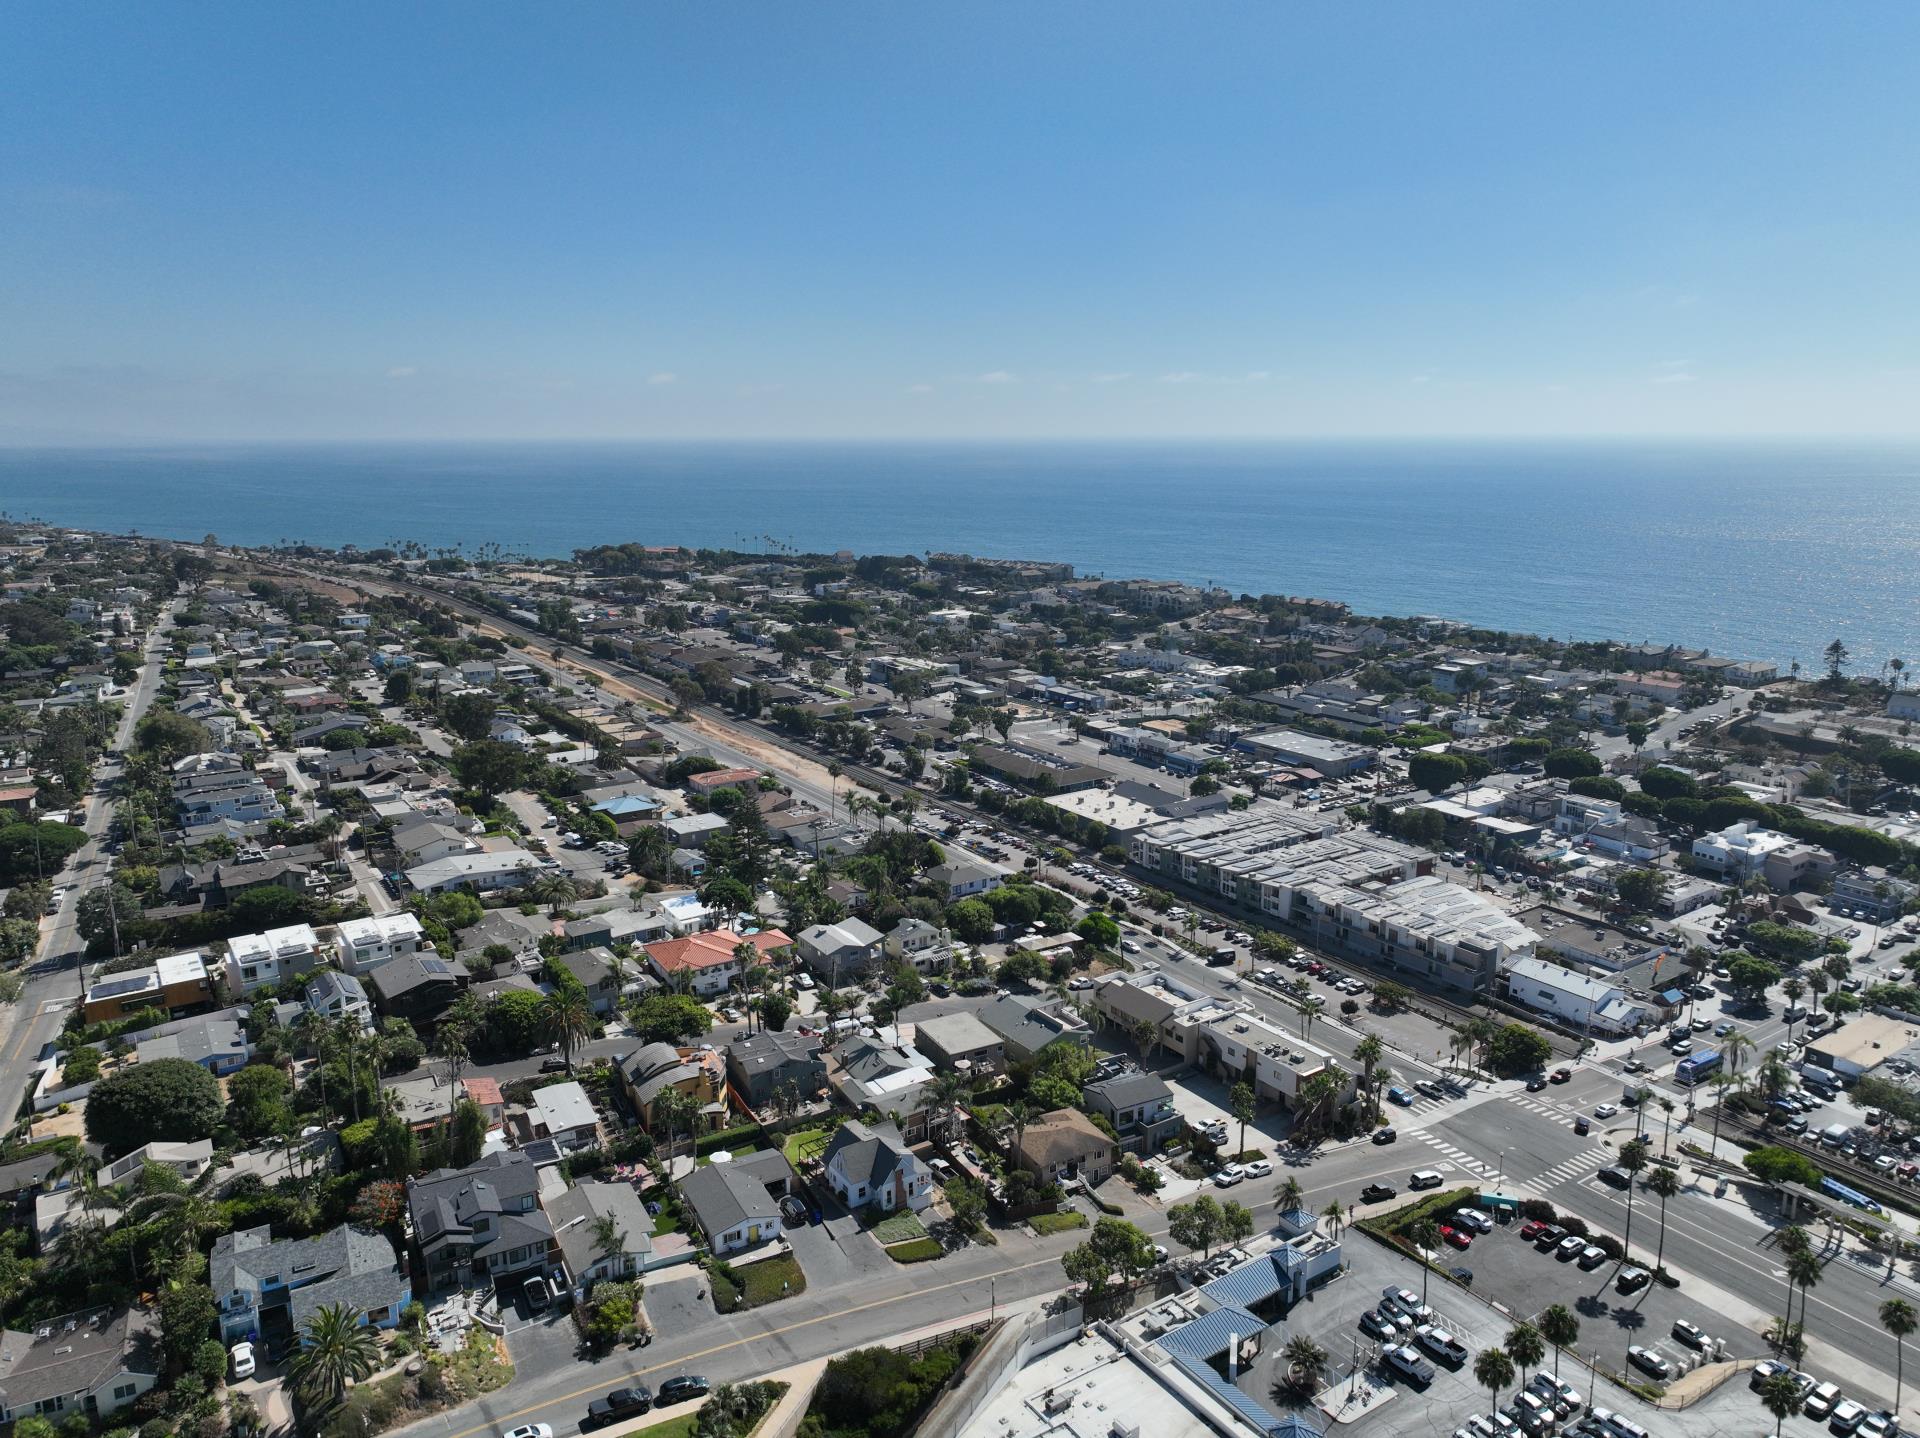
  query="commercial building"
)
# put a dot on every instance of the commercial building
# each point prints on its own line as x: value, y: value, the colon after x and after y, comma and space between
x: 1745, y: 850
x: 1242, y: 1047
x: 1333, y: 758
x: 1878, y: 896
x: 1573, y: 999
x: 1860, y: 1045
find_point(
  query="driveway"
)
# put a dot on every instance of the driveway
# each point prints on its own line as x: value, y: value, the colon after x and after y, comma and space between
x: 680, y: 1304
x: 835, y: 1251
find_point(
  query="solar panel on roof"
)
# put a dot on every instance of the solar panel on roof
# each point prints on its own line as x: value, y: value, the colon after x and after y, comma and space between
x: 114, y: 987
x: 435, y: 966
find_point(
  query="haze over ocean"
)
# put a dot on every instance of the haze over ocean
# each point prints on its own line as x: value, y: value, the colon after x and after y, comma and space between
x: 1763, y: 551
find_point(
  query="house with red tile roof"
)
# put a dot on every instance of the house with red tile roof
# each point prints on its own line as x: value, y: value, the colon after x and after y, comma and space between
x: 706, y: 963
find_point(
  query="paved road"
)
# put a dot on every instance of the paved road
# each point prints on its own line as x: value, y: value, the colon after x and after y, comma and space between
x: 1663, y: 735
x: 55, y: 976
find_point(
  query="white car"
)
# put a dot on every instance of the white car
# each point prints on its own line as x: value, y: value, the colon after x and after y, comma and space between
x: 1229, y: 1176
x: 1260, y: 1168
x: 241, y: 1355
x: 531, y: 1430
x: 1606, y: 1110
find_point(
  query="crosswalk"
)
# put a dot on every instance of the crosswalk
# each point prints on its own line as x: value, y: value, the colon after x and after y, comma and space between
x: 1581, y: 1166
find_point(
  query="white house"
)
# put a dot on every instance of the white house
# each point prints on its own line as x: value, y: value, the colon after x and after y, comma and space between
x: 259, y: 961
x: 500, y: 869
x: 872, y: 1166
x: 334, y: 995
x: 368, y: 943
x: 86, y: 1365
x: 1575, y: 1000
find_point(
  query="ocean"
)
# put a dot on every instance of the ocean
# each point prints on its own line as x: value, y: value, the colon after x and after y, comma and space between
x: 1761, y: 551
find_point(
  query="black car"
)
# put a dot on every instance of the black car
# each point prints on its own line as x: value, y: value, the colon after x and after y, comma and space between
x: 681, y: 1388
x: 1461, y: 1276
x: 1535, y: 1084
x: 553, y: 1066
x: 1384, y: 1135
x: 621, y: 1404
x: 1378, y: 1193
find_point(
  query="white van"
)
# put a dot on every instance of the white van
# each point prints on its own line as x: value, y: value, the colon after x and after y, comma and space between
x: 1425, y: 1178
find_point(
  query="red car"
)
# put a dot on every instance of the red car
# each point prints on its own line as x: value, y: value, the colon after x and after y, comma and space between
x: 1532, y: 1229
x: 1559, y: 1075
x: 1458, y: 1237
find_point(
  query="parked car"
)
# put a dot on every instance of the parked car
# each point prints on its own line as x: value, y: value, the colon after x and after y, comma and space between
x: 1472, y: 1219
x: 530, y: 1430
x: 1441, y: 1344
x: 241, y: 1355
x: 620, y: 1404
x: 1375, y: 1326
x: 1569, y: 1247
x: 1230, y: 1175
x: 1847, y: 1416
x: 1408, y: 1363
x: 1260, y: 1168
x: 1692, y: 1335
x: 1408, y: 1302
x: 1531, y: 1230
x: 1592, y: 1256
x: 680, y: 1388
x: 1649, y: 1361
x: 1458, y: 1237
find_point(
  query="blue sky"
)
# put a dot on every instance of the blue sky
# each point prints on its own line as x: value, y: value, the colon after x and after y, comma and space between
x: 1116, y: 219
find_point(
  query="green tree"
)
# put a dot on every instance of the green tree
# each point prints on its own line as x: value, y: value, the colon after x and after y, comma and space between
x: 1240, y: 1103
x: 468, y: 716
x: 1306, y: 1362
x: 1898, y: 1317
x: 1525, y: 1347
x: 1663, y: 1183
x: 1560, y: 1328
x: 1780, y: 1396
x: 1493, y: 1370
x: 670, y: 1018
x: 169, y: 1100
x: 775, y: 1010
x: 1516, y: 1048
x: 489, y: 767
x: 257, y: 1101
x: 1781, y: 1165
x: 1198, y: 1224
x: 1115, y: 1250
x: 1640, y: 889
x: 567, y: 1018
x: 1099, y: 930
x: 338, y: 1349
x: 107, y: 916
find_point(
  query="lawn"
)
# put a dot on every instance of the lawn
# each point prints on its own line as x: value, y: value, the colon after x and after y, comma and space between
x: 915, y: 1250
x: 1045, y: 1223
x: 686, y: 1423
x: 752, y: 1284
x: 898, y: 1228
x: 805, y: 1143
x: 666, y: 1221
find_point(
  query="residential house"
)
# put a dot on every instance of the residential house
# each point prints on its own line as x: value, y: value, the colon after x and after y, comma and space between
x: 424, y: 839
x: 218, y: 1045
x: 877, y: 1073
x: 265, y: 1291
x: 697, y: 1072
x: 483, y: 873
x: 691, y: 831
x: 418, y: 987
x: 761, y: 1064
x: 1574, y: 999
x: 89, y: 1365
x: 189, y: 1160
x: 960, y: 1042
x: 483, y: 1221
x: 962, y: 879
x: 707, y: 963
x: 923, y: 945
x: 365, y: 944
x: 564, y: 1113
x: 576, y: 1217
x: 733, y: 1205
x: 333, y: 995
x: 841, y: 952
x: 172, y: 984
x: 264, y: 961
x: 1026, y: 1026
x: 1065, y: 1144
x: 1140, y: 1108
x: 592, y: 969
x: 871, y: 1166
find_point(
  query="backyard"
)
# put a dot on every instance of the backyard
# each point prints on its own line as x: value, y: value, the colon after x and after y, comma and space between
x: 804, y: 1144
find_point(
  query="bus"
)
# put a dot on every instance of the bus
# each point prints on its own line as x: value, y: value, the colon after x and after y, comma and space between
x: 1697, y: 1068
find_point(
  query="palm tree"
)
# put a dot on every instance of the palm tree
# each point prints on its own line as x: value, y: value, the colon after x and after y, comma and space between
x: 1494, y: 1370
x: 1309, y: 1011
x: 1240, y: 1102
x: 1560, y: 1328
x: 1781, y: 1396
x: 1525, y: 1347
x: 1663, y: 1183
x: 1305, y: 1360
x: 1291, y: 1195
x: 1020, y: 1113
x: 1335, y: 1216
x: 948, y: 1091
x: 1146, y: 1035
x: 339, y: 1350
x: 1721, y: 1083
x: 1426, y: 1236
x: 1369, y: 1051
x: 1735, y: 1047
x: 553, y: 890
x: 1898, y: 1317
x: 1804, y: 1269
x: 834, y: 771
x: 1633, y: 1158
x: 609, y: 1240
x: 567, y: 1017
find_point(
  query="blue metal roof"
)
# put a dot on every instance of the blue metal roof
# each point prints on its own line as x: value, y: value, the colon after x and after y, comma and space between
x: 1298, y: 1220
x: 1212, y: 1332
x: 1248, y: 1284
x: 1246, y: 1405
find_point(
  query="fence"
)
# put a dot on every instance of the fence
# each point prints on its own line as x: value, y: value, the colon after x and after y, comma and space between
x: 1009, y: 1348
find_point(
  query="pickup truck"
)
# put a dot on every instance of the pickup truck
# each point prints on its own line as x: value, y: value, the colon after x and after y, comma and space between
x: 621, y: 1404
x: 1409, y: 1364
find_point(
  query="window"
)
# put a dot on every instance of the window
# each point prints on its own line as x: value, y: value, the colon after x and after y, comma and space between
x: 125, y: 1391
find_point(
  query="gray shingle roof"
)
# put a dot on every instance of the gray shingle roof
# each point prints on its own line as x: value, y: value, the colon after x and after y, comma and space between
x: 724, y: 1197
x: 867, y: 1155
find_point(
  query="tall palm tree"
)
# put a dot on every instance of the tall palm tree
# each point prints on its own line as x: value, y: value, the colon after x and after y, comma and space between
x: 339, y: 1350
x: 1663, y: 1183
x: 1793, y: 1242
x: 1898, y: 1317
x: 567, y: 1017
x: 1494, y: 1371
x: 1633, y: 1159
x: 1426, y: 1236
x: 1560, y: 1328
x: 1721, y: 1083
x: 1335, y: 1216
x: 1666, y: 1115
x: 1369, y: 1051
x: 1805, y: 1269
x: 1734, y: 1049
x: 1020, y: 1113
x: 1781, y: 1397
x: 948, y: 1091
x: 1525, y: 1347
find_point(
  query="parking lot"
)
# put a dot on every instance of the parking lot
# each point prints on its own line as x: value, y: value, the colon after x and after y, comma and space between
x: 1202, y: 1099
